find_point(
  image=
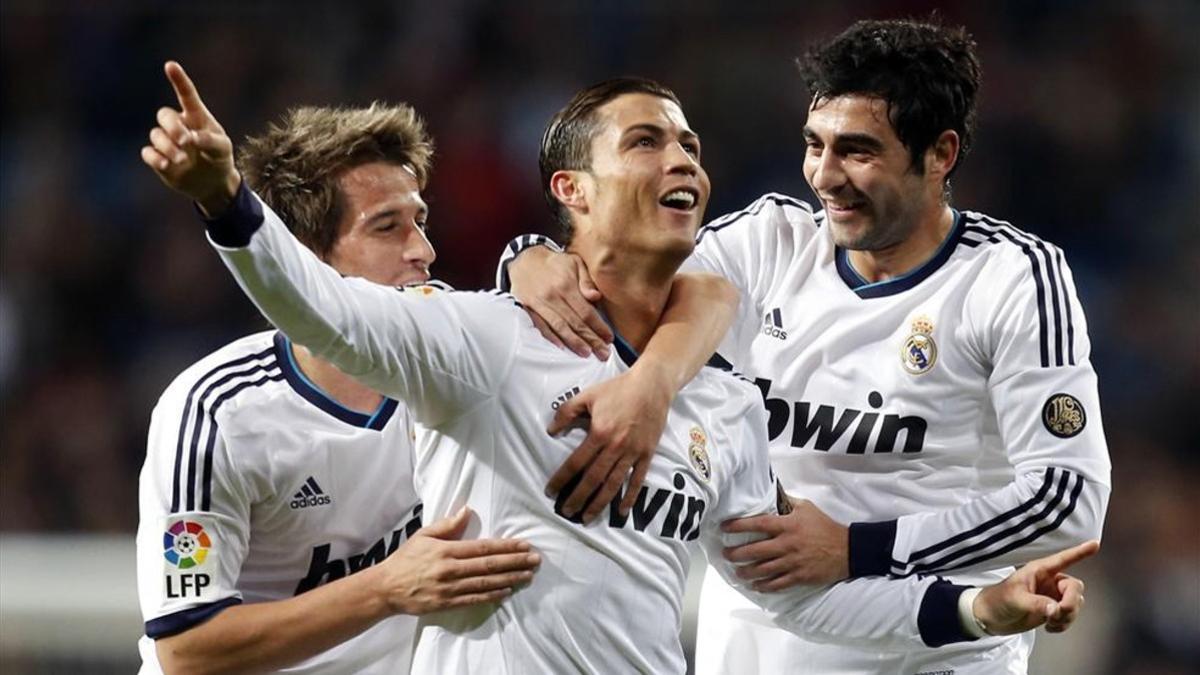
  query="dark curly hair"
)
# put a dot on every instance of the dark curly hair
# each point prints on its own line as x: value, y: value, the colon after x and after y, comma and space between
x: 928, y: 75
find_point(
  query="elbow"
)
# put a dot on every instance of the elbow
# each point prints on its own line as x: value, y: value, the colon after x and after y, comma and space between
x: 715, y: 289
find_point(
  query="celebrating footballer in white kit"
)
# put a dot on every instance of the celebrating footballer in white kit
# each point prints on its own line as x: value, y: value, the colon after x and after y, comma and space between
x: 272, y: 481
x: 940, y: 399
x: 479, y: 378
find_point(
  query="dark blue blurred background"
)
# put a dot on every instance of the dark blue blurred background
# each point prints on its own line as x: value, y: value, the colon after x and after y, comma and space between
x: 1089, y: 136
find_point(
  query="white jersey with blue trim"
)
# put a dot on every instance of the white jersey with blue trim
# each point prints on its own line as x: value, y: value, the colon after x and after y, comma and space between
x: 483, y: 384
x: 258, y: 487
x: 950, y: 414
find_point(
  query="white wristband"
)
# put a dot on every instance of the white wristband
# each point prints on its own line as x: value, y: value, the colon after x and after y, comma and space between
x: 966, y: 614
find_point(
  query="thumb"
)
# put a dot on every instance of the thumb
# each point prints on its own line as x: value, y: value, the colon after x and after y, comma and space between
x: 450, y: 527
x: 567, y: 413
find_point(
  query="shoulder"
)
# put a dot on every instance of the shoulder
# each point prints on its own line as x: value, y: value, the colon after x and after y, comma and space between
x: 1013, y: 256
x: 247, y: 364
x: 772, y: 211
x: 736, y: 393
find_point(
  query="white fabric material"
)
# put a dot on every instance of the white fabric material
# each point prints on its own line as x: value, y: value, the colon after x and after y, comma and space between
x: 983, y: 483
x: 483, y: 384
x: 267, y: 527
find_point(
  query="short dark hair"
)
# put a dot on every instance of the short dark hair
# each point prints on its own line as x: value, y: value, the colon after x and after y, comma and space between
x: 567, y: 141
x: 295, y: 166
x: 927, y: 73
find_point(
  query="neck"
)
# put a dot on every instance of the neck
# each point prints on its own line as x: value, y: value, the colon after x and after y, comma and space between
x: 635, y: 289
x: 337, y: 385
x: 907, y: 255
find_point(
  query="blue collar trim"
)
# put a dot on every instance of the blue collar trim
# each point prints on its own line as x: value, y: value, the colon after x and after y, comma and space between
x: 855, y: 282
x: 313, y: 394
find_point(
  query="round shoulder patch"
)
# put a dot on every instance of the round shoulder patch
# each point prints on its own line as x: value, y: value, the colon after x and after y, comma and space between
x: 1063, y: 415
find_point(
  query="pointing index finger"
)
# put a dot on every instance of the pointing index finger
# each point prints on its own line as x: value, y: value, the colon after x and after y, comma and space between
x: 185, y: 91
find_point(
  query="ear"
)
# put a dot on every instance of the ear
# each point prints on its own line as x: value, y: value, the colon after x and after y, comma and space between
x: 567, y: 187
x: 941, y: 157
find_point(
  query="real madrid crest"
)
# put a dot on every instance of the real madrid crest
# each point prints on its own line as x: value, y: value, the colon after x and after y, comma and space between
x: 698, y: 453
x: 919, y: 351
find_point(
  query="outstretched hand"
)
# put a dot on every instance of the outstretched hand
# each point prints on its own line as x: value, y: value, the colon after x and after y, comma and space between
x: 1038, y: 593
x: 190, y: 151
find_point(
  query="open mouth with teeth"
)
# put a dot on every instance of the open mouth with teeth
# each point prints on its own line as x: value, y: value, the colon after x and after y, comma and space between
x: 680, y: 200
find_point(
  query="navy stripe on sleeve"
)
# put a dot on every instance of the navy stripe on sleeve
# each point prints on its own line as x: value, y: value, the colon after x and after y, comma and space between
x: 1051, y: 287
x: 176, y: 491
x: 206, y: 490
x: 172, y: 624
x: 1042, y: 513
x: 200, y: 416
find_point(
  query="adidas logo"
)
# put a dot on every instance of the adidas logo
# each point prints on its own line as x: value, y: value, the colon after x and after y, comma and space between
x: 773, y: 324
x: 310, y: 494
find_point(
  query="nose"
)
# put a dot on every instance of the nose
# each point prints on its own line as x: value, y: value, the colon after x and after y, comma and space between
x: 418, y: 250
x: 826, y: 173
x: 680, y: 161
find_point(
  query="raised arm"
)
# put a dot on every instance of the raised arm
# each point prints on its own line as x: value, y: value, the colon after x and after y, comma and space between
x: 425, y: 346
x: 628, y: 413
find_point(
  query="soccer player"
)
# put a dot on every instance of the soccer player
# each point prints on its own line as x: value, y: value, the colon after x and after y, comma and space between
x: 926, y: 368
x: 273, y: 479
x: 479, y: 377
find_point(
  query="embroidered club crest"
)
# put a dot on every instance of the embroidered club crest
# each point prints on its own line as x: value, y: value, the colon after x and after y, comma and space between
x: 919, y: 351
x: 698, y: 453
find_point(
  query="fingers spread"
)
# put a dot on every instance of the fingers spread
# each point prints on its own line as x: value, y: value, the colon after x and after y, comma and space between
x: 640, y: 469
x: 566, y: 415
x: 571, y: 467
x: 544, y: 329
x: 609, y: 489
x: 601, y: 465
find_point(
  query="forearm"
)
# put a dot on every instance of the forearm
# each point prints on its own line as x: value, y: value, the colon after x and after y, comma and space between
x: 271, y: 635
x: 1040, y: 512
x: 699, y: 312
x: 339, y: 321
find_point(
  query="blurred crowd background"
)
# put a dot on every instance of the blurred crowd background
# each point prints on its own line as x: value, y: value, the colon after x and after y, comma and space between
x: 1089, y: 136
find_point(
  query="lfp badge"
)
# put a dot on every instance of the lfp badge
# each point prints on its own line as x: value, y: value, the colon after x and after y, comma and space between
x: 186, y: 544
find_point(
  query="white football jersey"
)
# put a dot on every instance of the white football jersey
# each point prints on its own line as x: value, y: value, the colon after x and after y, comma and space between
x: 951, y: 414
x: 258, y: 487
x: 484, y: 384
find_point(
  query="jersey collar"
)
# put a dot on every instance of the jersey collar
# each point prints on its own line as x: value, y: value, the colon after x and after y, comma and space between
x: 879, y: 289
x: 313, y: 394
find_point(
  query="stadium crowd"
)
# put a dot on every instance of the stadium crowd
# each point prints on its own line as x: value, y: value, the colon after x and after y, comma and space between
x: 1089, y: 136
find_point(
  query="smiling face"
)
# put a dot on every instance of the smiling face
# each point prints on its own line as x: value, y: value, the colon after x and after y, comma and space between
x: 381, y: 233
x: 873, y: 193
x: 645, y: 191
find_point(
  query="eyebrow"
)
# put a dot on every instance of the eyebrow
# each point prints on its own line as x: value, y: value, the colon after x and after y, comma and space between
x: 861, y: 139
x: 659, y: 132
x: 423, y: 211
